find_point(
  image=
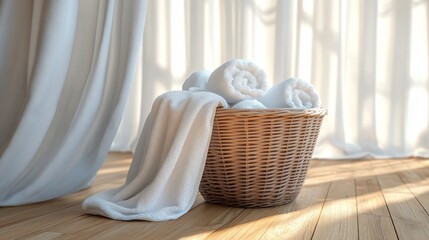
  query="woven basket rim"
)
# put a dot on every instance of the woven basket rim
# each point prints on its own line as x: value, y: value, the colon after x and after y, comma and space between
x: 321, y: 110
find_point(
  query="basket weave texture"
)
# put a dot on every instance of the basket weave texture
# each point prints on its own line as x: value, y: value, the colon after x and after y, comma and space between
x: 259, y: 158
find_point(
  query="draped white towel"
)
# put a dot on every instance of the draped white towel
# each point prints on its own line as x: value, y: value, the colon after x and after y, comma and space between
x: 291, y: 93
x: 238, y: 80
x: 197, y: 81
x: 166, y: 170
x: 249, y: 104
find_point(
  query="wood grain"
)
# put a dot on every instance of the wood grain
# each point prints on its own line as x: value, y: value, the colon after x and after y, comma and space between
x: 362, y: 199
x: 338, y: 219
x: 373, y: 215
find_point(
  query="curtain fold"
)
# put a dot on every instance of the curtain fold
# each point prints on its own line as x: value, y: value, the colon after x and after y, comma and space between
x: 18, y: 39
x: 368, y: 59
x: 77, y: 60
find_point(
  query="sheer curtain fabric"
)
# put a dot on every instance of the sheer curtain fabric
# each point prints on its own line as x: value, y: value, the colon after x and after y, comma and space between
x: 368, y: 59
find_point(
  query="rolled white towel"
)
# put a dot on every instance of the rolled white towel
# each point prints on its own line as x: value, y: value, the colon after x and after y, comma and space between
x: 238, y: 80
x: 196, y: 81
x: 249, y: 104
x: 291, y: 93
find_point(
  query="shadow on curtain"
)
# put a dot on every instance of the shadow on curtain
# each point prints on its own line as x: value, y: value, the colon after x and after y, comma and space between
x: 368, y: 59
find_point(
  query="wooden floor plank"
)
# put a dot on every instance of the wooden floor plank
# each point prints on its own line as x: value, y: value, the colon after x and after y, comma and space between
x: 373, y: 215
x: 417, y: 180
x: 45, y: 236
x: 338, y: 219
x: 304, y: 211
x: 365, y: 199
x: 249, y: 224
x: 29, y: 226
x: 376, y: 227
x: 410, y: 219
x: 197, y: 224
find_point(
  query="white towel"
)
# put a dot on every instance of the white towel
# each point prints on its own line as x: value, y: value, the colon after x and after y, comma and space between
x: 166, y: 170
x: 291, y: 93
x: 197, y: 81
x: 238, y: 80
x: 249, y: 104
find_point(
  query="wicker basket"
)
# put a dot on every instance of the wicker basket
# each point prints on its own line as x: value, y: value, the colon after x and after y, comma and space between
x: 259, y: 158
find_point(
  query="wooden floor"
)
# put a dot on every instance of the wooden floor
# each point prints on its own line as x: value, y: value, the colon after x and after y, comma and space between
x: 365, y: 199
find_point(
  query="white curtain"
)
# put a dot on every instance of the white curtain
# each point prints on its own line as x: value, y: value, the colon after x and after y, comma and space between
x: 66, y: 68
x: 368, y: 59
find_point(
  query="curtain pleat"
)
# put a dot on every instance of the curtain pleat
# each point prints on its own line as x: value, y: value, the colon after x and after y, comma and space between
x: 368, y: 60
x: 82, y: 59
